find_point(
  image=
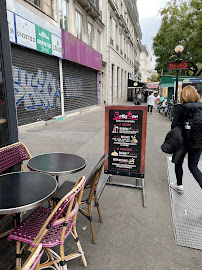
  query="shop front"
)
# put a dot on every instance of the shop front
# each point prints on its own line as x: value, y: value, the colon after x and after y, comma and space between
x: 36, y: 83
x: 8, y: 119
x: 81, y: 65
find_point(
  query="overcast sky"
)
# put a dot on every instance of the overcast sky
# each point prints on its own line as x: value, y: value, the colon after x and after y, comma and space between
x: 150, y: 21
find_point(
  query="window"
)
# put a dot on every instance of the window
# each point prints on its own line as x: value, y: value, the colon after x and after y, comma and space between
x: 78, y: 25
x: 90, y: 31
x: 63, y: 10
x: 98, y: 41
x: 35, y: 2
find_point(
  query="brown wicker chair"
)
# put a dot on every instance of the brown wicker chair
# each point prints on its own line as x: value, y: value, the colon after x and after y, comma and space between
x: 10, y: 156
x: 89, y: 194
x: 33, y: 262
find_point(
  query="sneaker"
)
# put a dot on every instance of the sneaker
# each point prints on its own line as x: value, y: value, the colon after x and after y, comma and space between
x: 179, y: 188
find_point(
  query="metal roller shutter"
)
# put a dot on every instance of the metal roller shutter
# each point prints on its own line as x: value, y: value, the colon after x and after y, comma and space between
x: 79, y: 85
x: 36, y: 83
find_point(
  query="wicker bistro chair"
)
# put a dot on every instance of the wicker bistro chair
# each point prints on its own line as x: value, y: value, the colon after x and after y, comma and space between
x: 51, y: 228
x: 90, y: 193
x: 33, y: 262
x: 10, y: 156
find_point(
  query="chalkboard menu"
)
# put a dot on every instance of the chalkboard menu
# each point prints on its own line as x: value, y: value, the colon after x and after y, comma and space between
x: 125, y: 140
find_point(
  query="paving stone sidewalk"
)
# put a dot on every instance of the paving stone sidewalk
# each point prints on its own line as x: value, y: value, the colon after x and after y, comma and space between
x: 131, y: 237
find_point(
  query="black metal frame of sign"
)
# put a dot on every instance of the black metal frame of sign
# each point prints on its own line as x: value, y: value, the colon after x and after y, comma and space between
x: 125, y: 143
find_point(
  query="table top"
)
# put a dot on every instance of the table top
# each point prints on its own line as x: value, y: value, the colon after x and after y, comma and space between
x: 22, y: 191
x: 56, y: 163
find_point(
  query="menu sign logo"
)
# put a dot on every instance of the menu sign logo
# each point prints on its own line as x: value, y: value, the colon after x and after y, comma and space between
x: 125, y: 133
x: 25, y: 32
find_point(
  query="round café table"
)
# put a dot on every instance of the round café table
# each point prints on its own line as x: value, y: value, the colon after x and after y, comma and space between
x: 22, y: 191
x: 57, y: 163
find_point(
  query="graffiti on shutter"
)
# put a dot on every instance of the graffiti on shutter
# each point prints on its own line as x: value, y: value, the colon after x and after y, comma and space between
x: 37, y: 91
x: 74, y: 86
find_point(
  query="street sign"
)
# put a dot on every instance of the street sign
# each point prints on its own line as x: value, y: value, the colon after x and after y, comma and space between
x: 178, y: 65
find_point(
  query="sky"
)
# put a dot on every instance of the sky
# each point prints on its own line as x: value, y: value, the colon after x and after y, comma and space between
x: 150, y: 21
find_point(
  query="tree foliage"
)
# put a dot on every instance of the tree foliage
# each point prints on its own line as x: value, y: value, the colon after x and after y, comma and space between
x: 155, y: 77
x: 181, y: 22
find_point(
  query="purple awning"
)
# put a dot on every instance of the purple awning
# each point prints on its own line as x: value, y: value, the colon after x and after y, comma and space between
x: 77, y: 51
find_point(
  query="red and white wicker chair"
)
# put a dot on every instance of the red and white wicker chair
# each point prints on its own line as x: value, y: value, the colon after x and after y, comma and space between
x: 10, y: 156
x: 51, y: 228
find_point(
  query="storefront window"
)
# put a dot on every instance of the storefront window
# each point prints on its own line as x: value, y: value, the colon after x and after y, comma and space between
x: 4, y: 138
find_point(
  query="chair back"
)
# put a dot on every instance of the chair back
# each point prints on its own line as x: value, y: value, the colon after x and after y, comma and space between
x: 33, y: 262
x: 93, y: 179
x: 13, y: 154
x: 65, y: 212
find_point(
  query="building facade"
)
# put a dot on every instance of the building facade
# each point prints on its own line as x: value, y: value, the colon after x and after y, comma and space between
x: 70, y: 55
x: 145, y: 63
x: 122, y: 36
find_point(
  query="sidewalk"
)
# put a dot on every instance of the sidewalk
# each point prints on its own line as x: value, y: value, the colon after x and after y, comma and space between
x: 131, y: 237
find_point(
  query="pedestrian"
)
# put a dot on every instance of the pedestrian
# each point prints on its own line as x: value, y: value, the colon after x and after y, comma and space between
x: 138, y: 98
x: 150, y: 102
x: 190, y: 102
x: 145, y: 96
x: 157, y: 101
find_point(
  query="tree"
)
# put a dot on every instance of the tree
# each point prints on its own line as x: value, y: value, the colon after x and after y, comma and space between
x: 181, y: 22
x: 155, y: 77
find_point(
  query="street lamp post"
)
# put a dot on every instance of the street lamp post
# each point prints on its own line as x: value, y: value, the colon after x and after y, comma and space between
x: 178, y: 50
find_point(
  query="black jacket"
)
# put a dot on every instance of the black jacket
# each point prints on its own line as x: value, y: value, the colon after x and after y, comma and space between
x: 173, y: 144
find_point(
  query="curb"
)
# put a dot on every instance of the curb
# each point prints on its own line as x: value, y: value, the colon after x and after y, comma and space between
x: 32, y: 125
x: 56, y: 119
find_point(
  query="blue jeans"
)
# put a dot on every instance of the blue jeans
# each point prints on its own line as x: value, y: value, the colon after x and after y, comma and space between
x: 193, y: 160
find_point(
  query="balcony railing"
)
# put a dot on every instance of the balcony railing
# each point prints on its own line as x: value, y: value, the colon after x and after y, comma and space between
x: 91, y: 7
x: 136, y: 64
x: 95, y: 3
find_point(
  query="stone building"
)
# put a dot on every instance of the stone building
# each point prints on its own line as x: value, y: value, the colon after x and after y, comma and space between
x: 76, y: 54
x: 145, y: 63
x: 122, y: 35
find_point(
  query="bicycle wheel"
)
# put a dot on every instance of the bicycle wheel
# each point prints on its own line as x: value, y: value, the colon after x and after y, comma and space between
x: 162, y: 110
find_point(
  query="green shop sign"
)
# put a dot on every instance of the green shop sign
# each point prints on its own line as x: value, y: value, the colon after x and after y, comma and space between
x: 43, y: 40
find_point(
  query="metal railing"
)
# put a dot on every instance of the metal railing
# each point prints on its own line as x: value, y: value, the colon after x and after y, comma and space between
x: 95, y: 3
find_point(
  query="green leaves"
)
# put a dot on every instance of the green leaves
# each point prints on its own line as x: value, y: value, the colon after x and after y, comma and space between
x: 181, y: 22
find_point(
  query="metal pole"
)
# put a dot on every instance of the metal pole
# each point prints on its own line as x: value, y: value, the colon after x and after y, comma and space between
x: 176, y: 86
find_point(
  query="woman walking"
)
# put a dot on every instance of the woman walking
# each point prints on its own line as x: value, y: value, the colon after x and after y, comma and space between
x: 190, y: 97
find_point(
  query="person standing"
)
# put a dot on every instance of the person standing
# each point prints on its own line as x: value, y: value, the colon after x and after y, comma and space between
x: 138, y: 98
x: 150, y: 102
x: 189, y: 97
